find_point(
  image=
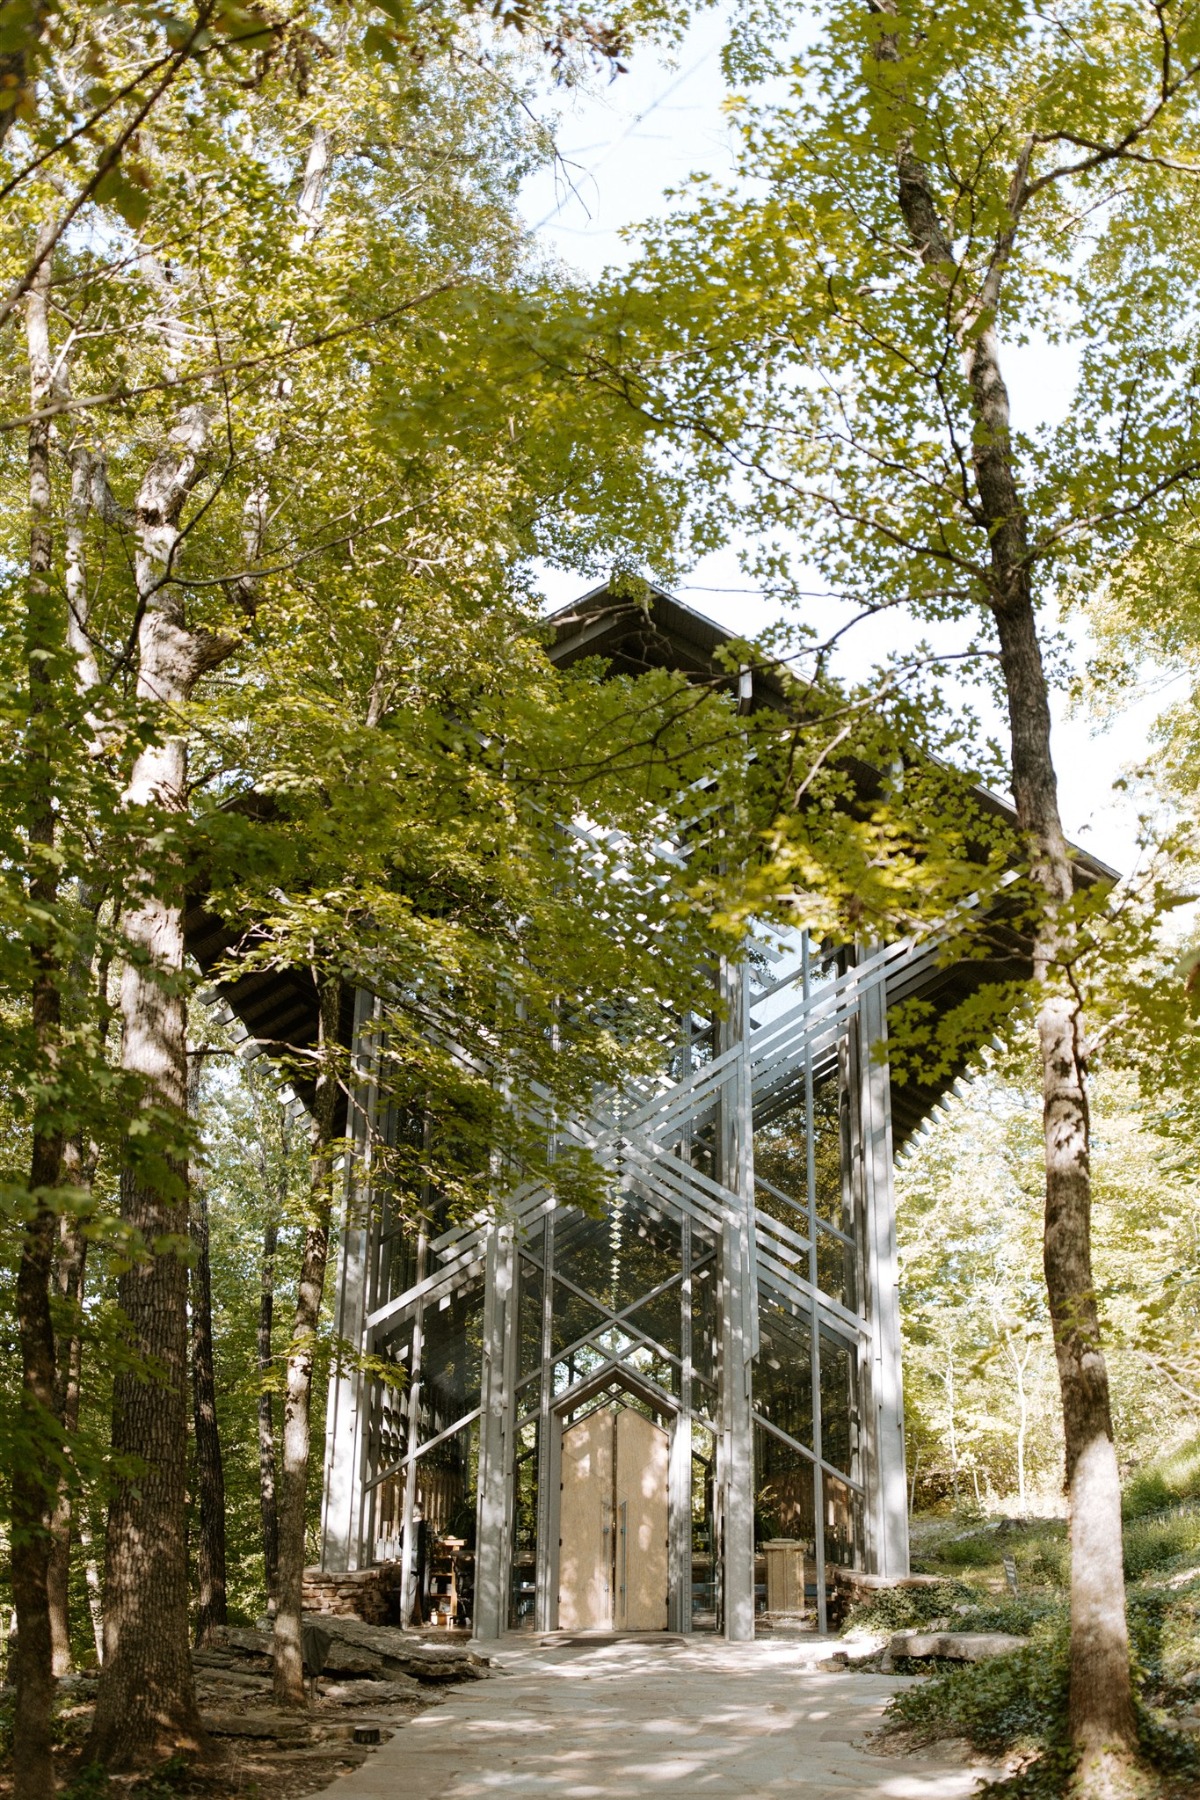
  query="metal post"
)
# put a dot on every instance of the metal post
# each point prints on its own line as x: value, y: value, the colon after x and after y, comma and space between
x: 739, y: 1318
x: 545, y: 1601
x: 679, y: 1472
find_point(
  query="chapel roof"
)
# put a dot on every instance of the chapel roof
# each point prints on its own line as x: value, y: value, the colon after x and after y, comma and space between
x: 632, y: 633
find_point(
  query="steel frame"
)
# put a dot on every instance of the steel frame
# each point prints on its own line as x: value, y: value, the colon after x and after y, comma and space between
x: 777, y: 1039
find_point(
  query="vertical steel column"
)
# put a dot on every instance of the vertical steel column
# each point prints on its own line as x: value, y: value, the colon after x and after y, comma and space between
x: 739, y: 1314
x: 408, y: 1537
x: 883, y: 1404
x: 545, y: 1604
x: 810, y: 1149
x: 342, y: 1545
x: 493, y: 1527
x: 679, y: 1473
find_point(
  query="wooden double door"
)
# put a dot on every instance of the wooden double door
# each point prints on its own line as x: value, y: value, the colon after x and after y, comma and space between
x: 613, y: 1560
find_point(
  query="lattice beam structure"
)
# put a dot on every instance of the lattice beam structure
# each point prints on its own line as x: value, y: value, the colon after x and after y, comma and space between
x: 740, y: 1289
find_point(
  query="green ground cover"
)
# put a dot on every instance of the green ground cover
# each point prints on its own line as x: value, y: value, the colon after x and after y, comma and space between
x: 1015, y: 1705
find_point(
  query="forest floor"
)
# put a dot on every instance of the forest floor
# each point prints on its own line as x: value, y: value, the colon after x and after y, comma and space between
x: 1009, y: 1575
x: 376, y: 1679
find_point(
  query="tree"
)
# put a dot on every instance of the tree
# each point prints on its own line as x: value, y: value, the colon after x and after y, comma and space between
x: 268, y: 407
x: 297, y: 1397
x: 206, y: 1434
x: 932, y: 185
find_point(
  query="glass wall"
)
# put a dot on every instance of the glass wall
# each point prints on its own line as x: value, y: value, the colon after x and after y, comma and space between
x: 617, y: 1307
x: 627, y: 1306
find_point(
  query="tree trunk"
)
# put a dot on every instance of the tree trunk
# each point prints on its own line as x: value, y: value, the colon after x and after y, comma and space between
x: 948, y: 1384
x: 1101, y: 1696
x: 146, y: 1701
x: 289, y: 1660
x: 1101, y: 1702
x: 33, y: 1768
x: 210, y: 1472
x: 88, y: 975
x: 92, y: 1577
x: 19, y: 55
x: 266, y: 1415
x: 1019, y: 1365
x: 72, y: 1264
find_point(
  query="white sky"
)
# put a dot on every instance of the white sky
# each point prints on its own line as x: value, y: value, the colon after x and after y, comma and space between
x: 622, y: 146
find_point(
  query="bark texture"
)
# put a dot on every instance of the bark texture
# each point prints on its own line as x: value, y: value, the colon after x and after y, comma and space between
x: 88, y: 975
x: 22, y: 23
x: 69, y: 1279
x: 146, y: 1701
x: 1101, y: 1703
x: 146, y: 1705
x: 293, y: 1487
x: 210, y: 1472
x: 266, y: 1418
x: 32, y: 1487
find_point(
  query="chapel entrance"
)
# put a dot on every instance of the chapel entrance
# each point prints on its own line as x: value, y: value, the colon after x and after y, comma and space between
x: 613, y: 1559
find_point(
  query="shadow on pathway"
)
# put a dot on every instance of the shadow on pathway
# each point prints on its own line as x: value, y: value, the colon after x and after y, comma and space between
x: 679, y: 1718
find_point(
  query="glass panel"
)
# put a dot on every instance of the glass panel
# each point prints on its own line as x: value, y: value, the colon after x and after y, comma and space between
x: 838, y: 1419
x: 704, y: 1322
x: 827, y: 1153
x: 660, y: 1319
x: 783, y: 1367
x: 397, y: 1268
x: 622, y: 1256
x: 835, y: 1266
x: 529, y: 1316
x: 704, y: 1398
x: 387, y: 1418
x: 444, y: 1531
x: 389, y: 1518
x: 704, y: 1568
x: 451, y: 1359
x: 577, y: 1367
x: 523, y: 1591
x: 785, y: 1568
x: 843, y: 1524
x: 654, y: 1367
x: 582, y: 1253
x: 791, y: 1213
x: 781, y: 1157
x: 573, y: 1318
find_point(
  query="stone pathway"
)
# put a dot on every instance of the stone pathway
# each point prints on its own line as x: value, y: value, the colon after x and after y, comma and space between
x: 624, y: 1720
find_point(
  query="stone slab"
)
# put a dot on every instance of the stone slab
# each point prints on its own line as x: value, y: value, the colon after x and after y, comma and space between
x: 954, y: 1646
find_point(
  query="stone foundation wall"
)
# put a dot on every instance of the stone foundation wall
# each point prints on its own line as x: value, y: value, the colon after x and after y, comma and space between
x: 366, y: 1594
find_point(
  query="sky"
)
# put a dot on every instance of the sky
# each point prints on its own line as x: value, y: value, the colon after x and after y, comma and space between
x: 622, y: 146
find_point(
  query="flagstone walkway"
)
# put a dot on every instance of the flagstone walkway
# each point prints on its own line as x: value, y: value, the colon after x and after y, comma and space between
x: 626, y: 1720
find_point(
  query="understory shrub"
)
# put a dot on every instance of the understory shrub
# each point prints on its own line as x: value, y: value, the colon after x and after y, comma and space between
x: 904, y: 1609
x: 1164, y: 1629
x: 979, y: 1551
x: 1007, y: 1703
x: 1165, y: 1482
x: 1019, y: 1702
x: 1154, y: 1544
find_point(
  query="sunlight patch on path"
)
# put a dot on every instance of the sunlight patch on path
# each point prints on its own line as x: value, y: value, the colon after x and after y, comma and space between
x: 625, y: 1720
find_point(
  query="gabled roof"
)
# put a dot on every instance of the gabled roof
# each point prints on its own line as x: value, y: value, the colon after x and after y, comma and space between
x: 654, y: 630
x: 633, y: 635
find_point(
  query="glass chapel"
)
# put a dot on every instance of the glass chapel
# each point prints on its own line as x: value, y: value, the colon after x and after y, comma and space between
x: 684, y: 1414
